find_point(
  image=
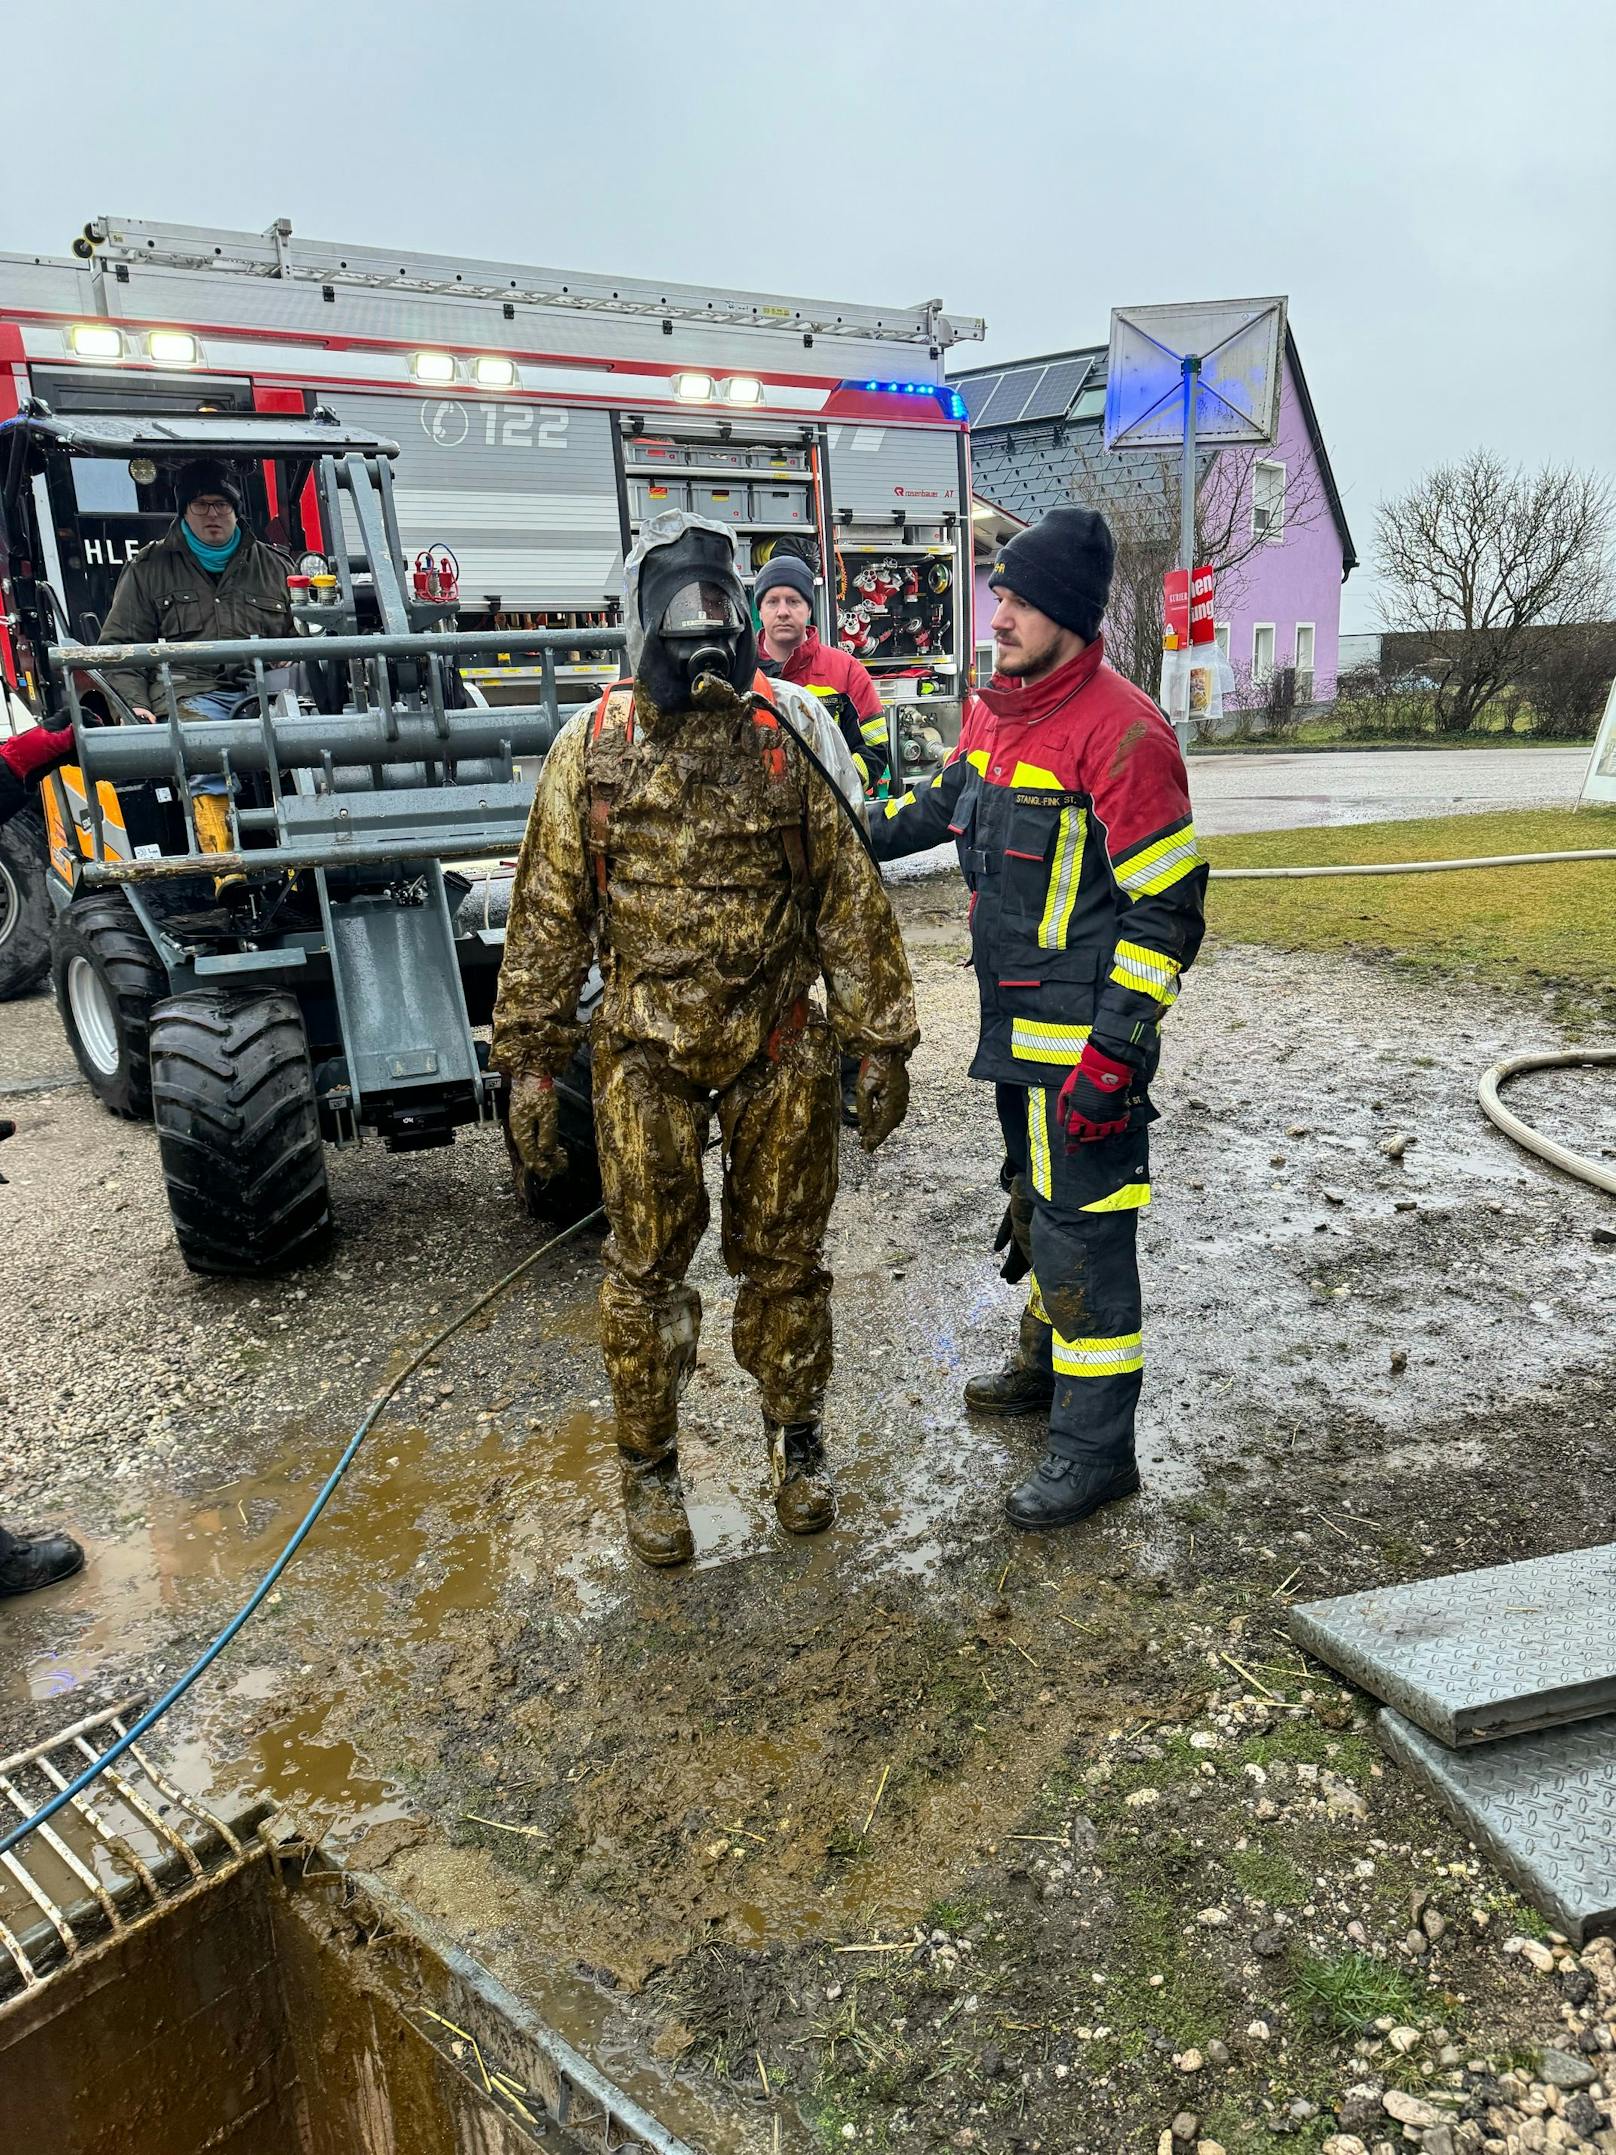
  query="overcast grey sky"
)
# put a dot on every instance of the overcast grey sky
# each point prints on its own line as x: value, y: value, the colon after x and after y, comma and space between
x: 1433, y: 183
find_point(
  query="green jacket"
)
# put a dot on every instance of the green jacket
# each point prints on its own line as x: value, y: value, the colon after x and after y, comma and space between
x: 166, y: 596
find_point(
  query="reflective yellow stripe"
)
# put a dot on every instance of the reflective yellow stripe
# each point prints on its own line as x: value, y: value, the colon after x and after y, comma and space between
x: 1033, y: 1040
x: 1147, y: 972
x: 1034, y: 774
x: 904, y: 800
x: 875, y: 729
x: 1117, y: 1356
x: 1158, y: 867
x: 1063, y: 880
x: 1132, y: 1197
x: 1035, y: 1300
x: 1038, y: 1139
x: 863, y: 770
x: 978, y: 760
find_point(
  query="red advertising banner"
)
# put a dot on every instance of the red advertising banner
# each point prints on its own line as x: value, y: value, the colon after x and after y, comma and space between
x: 1176, y: 605
x: 1202, y: 627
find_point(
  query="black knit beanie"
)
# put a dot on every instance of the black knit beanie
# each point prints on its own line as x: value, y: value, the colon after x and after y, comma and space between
x: 206, y: 475
x: 788, y: 569
x: 1063, y: 567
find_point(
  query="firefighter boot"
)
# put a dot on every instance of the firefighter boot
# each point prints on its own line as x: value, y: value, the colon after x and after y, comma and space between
x: 654, y: 1509
x: 1024, y: 1384
x: 804, y: 1494
x: 1060, y: 1490
x: 28, y: 1561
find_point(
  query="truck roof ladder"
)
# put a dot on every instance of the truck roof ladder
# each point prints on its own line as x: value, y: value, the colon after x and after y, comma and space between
x: 112, y: 241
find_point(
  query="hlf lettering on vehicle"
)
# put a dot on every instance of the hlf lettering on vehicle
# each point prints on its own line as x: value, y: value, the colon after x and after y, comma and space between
x: 110, y: 553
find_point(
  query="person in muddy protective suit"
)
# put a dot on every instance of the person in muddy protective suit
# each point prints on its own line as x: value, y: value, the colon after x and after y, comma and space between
x: 1068, y: 801
x: 680, y: 834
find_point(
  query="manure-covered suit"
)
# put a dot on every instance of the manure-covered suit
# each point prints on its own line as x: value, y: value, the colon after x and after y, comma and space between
x: 682, y: 839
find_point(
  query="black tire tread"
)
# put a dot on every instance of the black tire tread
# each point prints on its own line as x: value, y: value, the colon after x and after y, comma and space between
x: 25, y: 953
x: 102, y: 925
x: 239, y: 1131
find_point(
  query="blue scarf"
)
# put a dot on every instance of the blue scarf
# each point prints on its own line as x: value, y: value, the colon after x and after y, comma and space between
x: 213, y: 558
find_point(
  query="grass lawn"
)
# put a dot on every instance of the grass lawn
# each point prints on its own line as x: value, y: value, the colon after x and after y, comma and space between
x: 1523, y: 928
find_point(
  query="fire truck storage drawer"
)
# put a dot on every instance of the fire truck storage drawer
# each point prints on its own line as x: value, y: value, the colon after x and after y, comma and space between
x: 780, y: 505
x: 649, y: 497
x: 724, y: 504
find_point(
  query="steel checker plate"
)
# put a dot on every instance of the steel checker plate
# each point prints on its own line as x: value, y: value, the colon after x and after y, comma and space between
x: 1480, y: 1654
x: 1543, y: 1807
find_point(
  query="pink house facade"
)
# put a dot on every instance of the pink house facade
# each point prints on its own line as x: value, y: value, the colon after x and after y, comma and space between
x: 1037, y: 442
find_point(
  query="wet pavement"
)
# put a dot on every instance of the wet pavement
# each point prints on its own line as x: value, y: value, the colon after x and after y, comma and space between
x: 1272, y: 790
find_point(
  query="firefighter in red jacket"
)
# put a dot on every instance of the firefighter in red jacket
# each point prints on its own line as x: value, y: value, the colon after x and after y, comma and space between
x: 28, y: 1561
x: 1069, y: 804
x: 783, y: 593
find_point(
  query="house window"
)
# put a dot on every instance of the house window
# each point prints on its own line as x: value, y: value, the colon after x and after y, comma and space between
x: 1220, y: 635
x: 1262, y: 651
x: 1090, y: 404
x: 984, y: 664
x: 1304, y: 662
x: 1267, y: 499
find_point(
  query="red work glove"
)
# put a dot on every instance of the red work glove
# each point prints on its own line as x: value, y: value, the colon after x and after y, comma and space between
x: 25, y: 755
x: 1094, y: 1100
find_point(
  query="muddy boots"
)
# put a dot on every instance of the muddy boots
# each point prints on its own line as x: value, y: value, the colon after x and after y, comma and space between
x: 654, y: 1509
x: 1024, y: 1385
x: 804, y: 1495
x: 28, y: 1561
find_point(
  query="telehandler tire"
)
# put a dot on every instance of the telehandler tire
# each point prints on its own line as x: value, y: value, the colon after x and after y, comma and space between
x: 108, y: 978
x: 238, y: 1130
x: 24, y: 906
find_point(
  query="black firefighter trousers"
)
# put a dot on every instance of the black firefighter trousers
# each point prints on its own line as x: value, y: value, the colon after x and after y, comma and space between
x: 1075, y: 1215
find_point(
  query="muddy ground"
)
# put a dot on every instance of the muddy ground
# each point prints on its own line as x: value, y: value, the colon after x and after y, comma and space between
x: 921, y: 1834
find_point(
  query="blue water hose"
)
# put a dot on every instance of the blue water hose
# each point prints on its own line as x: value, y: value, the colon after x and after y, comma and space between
x: 205, y: 1660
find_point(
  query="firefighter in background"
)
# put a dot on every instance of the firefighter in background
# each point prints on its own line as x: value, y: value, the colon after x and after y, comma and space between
x: 783, y: 593
x: 1068, y: 800
x: 208, y: 579
x: 680, y: 836
x: 28, y: 1561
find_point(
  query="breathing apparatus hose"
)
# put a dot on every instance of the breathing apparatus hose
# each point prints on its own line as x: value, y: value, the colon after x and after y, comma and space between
x: 842, y: 801
x: 177, y: 1690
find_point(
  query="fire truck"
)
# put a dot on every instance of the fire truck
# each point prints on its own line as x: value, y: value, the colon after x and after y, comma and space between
x: 541, y: 417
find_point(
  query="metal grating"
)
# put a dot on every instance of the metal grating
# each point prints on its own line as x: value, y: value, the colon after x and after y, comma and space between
x: 1480, y: 1654
x: 109, y: 1857
x: 1542, y: 1807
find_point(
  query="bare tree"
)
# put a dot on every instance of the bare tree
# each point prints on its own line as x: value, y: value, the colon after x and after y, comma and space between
x: 1564, y: 678
x: 1143, y: 515
x: 1476, y: 555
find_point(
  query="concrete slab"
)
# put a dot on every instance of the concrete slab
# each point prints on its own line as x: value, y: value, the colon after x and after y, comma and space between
x: 1480, y: 1654
x: 1542, y: 1807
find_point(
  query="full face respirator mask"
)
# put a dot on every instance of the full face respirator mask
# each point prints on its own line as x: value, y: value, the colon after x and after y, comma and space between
x: 689, y: 627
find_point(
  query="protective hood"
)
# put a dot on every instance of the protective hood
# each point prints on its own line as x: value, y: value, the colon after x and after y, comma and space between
x: 685, y: 613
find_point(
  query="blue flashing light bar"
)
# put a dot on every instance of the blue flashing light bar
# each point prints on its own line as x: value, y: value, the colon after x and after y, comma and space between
x: 953, y: 404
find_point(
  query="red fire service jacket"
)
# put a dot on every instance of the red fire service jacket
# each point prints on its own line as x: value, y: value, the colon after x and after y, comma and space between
x: 1069, y: 805
x: 832, y: 674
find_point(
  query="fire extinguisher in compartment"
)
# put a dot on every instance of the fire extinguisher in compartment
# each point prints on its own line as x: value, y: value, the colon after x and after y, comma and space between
x: 436, y: 575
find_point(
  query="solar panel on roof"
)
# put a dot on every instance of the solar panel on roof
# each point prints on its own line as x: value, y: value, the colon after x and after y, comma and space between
x: 1006, y: 401
x: 1056, y: 390
x: 976, y: 392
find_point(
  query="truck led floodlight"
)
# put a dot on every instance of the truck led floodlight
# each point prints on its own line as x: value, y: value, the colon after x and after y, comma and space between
x: 173, y: 348
x: 432, y: 366
x: 494, y: 373
x: 694, y: 388
x: 744, y: 389
x: 94, y: 340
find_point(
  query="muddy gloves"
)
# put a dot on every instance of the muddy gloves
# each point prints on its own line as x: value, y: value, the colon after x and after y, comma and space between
x: 881, y: 1096
x: 1094, y: 1099
x: 532, y: 1125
